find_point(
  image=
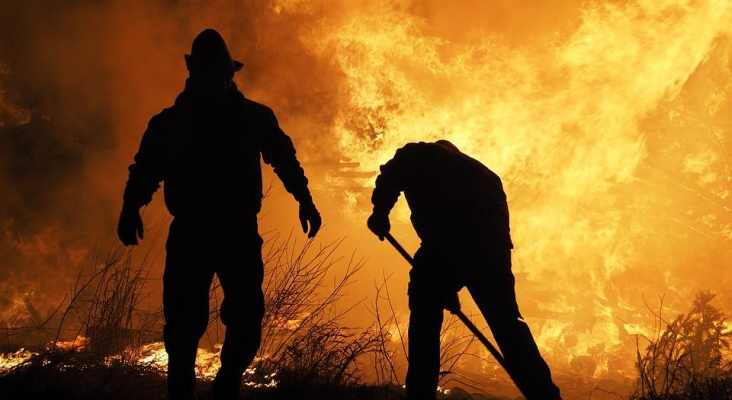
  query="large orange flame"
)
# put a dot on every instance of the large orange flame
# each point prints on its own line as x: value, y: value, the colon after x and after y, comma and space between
x: 608, y: 122
x: 565, y: 121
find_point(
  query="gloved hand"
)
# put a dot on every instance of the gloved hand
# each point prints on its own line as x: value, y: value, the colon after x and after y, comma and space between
x: 452, y: 303
x: 379, y: 224
x: 129, y: 226
x: 308, y: 213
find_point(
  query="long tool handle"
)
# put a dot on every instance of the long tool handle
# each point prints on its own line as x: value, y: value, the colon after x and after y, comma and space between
x: 493, y: 350
x: 399, y: 248
x: 459, y: 313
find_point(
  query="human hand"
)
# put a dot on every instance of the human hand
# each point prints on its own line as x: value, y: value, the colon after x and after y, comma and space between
x: 310, y: 214
x: 129, y: 226
x: 452, y: 303
x: 379, y: 224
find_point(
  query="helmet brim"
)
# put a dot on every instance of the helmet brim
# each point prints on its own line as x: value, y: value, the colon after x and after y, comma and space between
x: 191, y: 62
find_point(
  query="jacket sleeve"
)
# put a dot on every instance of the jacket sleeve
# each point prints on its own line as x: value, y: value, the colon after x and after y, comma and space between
x: 146, y: 172
x: 393, y: 179
x: 279, y: 152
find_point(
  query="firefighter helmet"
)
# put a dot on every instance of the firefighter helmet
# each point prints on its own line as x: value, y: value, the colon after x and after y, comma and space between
x: 210, y: 54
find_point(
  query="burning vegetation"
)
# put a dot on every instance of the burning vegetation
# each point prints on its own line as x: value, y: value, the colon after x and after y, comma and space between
x: 608, y: 121
x: 304, y: 346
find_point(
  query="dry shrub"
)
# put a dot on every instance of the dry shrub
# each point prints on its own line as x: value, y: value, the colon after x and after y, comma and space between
x: 457, y: 344
x: 303, y: 340
x: 325, y: 356
x: 687, y: 359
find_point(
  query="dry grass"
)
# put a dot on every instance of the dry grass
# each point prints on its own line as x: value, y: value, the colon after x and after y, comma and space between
x: 303, y: 340
x: 391, y: 355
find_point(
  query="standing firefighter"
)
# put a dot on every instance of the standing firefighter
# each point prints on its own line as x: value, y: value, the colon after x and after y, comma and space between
x: 460, y: 213
x: 206, y: 148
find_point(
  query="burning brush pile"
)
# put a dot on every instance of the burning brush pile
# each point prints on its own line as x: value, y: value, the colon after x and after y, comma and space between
x: 102, y: 343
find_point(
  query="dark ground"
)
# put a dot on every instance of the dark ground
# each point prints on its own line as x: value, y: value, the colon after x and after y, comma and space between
x: 71, y: 376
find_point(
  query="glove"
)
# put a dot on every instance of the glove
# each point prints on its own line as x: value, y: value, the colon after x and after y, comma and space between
x: 308, y: 213
x: 129, y: 226
x: 379, y: 224
x: 452, y: 303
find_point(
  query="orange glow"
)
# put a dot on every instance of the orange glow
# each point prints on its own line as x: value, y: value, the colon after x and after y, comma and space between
x: 571, y: 122
x: 609, y: 123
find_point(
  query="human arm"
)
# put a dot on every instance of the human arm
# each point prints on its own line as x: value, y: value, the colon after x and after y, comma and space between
x: 392, y: 180
x: 145, y: 175
x: 279, y: 152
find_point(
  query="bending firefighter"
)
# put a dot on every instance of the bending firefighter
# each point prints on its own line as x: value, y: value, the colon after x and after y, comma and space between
x: 459, y: 212
x: 206, y: 148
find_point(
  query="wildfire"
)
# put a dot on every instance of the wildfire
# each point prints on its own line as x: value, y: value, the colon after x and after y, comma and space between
x: 11, y: 360
x: 151, y: 354
x: 607, y: 121
x: 569, y: 123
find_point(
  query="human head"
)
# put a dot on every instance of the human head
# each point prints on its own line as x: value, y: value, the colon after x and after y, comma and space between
x: 210, y: 56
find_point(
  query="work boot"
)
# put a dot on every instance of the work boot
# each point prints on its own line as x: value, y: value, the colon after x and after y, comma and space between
x: 226, y: 386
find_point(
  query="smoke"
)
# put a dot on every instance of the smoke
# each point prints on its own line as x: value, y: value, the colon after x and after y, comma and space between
x: 51, y: 124
x: 78, y: 84
x: 606, y: 120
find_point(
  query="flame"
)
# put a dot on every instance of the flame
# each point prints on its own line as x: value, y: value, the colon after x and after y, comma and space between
x: 562, y: 122
x: 77, y: 344
x: 607, y: 121
x: 151, y: 354
x: 397, y: 331
x: 11, y: 360
x: 207, y: 364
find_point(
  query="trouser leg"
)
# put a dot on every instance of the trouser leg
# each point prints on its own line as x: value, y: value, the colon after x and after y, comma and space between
x: 496, y: 299
x: 427, y: 295
x: 186, y: 284
x: 242, y: 311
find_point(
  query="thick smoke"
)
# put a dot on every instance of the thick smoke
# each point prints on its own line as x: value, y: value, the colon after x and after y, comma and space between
x: 56, y: 121
x: 78, y: 83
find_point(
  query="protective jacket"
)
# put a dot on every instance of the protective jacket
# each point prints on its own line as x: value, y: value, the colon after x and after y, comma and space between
x: 207, y: 151
x: 453, y: 197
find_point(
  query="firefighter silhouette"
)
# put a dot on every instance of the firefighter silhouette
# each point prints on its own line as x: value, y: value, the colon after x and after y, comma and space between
x: 460, y: 213
x: 206, y: 149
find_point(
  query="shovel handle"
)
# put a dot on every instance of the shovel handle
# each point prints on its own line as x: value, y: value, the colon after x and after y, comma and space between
x: 399, y: 248
x: 492, y: 349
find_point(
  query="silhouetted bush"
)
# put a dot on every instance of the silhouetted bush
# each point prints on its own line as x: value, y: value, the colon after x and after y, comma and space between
x: 686, y: 360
